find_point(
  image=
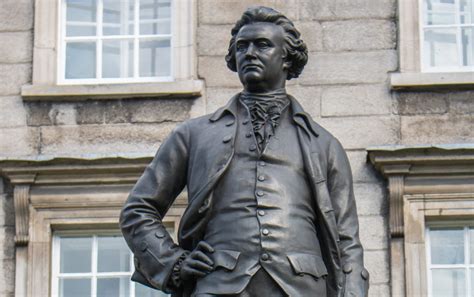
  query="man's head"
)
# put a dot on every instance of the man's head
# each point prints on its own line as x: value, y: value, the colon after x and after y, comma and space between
x: 266, y: 49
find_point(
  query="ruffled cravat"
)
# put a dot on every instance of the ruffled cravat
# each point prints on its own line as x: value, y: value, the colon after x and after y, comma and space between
x: 265, y: 111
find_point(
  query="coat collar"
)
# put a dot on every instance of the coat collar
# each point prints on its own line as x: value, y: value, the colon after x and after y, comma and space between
x: 301, y: 118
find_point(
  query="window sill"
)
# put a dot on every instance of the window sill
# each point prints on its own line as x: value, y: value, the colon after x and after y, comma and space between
x: 424, y: 81
x: 186, y: 88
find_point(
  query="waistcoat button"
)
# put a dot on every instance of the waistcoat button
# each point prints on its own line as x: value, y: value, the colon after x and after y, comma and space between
x: 253, y: 147
x: 248, y: 134
x: 261, y: 212
x: 265, y: 257
x: 261, y: 178
x: 226, y: 138
x: 265, y: 232
x: 260, y: 193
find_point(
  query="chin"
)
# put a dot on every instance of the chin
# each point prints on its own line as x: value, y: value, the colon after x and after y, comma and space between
x: 251, y: 78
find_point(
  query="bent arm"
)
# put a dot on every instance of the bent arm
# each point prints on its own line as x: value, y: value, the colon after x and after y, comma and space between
x: 342, y: 197
x: 141, y: 217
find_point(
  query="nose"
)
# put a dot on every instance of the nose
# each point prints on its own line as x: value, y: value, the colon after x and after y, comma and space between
x: 251, y: 51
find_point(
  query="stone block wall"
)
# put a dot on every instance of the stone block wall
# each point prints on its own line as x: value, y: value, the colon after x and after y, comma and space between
x: 16, y: 40
x: 436, y: 117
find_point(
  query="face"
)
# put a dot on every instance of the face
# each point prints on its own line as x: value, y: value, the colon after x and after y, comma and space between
x: 260, y: 57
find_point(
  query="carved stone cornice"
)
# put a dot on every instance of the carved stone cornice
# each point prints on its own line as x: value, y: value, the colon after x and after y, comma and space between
x: 422, y: 170
x: 48, y: 177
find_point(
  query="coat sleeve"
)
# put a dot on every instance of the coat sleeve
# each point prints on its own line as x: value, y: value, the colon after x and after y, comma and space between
x: 164, y: 178
x: 342, y: 197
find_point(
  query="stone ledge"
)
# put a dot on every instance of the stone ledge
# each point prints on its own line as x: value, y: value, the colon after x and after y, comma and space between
x: 186, y: 88
x: 424, y: 81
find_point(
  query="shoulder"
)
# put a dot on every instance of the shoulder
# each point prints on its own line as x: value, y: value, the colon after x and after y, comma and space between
x: 195, y: 125
x: 194, y: 128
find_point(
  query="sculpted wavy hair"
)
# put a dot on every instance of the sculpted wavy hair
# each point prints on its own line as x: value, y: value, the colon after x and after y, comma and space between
x: 295, y: 48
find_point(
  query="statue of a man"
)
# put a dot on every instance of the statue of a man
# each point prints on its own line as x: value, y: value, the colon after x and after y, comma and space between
x: 271, y: 206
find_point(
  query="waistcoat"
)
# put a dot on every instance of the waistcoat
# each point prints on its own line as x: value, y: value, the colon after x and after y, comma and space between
x: 263, y: 215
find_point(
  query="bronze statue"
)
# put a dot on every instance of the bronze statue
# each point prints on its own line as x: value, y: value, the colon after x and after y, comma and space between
x: 271, y: 206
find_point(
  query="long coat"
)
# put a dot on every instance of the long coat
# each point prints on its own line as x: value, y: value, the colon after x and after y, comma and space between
x: 196, y: 154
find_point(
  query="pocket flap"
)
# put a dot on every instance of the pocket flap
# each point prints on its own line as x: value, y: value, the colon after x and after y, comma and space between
x: 225, y: 258
x: 308, y: 263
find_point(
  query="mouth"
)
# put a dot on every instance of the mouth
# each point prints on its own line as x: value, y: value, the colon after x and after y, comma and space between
x: 251, y: 66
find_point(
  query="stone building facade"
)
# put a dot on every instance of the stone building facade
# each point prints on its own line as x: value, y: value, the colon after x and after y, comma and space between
x: 59, y: 144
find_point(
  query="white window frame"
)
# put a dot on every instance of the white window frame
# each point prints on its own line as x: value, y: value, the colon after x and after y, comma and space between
x: 411, y: 76
x: 457, y: 26
x: 46, y: 77
x: 467, y: 265
x: 99, y: 38
x: 55, y: 259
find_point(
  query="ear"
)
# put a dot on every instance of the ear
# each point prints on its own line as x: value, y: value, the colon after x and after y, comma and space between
x: 287, y: 64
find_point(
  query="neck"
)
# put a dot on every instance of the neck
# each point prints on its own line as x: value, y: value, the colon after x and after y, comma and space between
x: 275, y: 92
x: 263, y: 88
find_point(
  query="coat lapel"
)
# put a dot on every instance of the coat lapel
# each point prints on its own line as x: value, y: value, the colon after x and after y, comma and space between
x: 311, y: 151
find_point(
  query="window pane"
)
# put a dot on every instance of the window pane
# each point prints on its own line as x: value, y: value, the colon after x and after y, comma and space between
x: 155, y: 27
x: 471, y: 244
x: 80, y: 60
x: 155, y: 58
x: 155, y: 9
x: 467, y: 11
x: 447, y: 246
x: 81, y: 17
x: 81, y: 10
x: 142, y: 291
x: 113, y: 254
x: 467, y: 46
x: 155, y: 17
x: 439, y: 12
x: 75, y: 255
x: 440, y: 48
x: 72, y: 30
x: 448, y: 283
x: 113, y: 287
x: 118, y: 17
x: 472, y: 282
x: 117, y: 58
x: 74, y: 287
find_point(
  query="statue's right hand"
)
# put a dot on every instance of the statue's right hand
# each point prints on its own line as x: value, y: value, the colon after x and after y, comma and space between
x: 197, y: 263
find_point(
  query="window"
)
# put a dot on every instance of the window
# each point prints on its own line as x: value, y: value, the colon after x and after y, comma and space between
x: 115, y: 41
x: 94, y: 265
x: 435, y: 44
x: 67, y: 222
x: 450, y: 259
x: 447, y: 30
x: 431, y: 218
x: 88, y: 49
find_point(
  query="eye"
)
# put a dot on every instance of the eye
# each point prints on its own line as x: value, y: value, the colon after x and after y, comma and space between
x: 240, y: 46
x: 263, y: 44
